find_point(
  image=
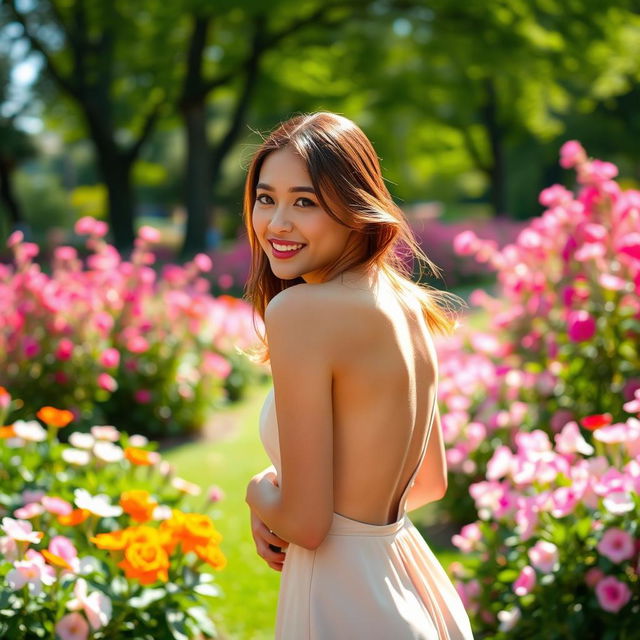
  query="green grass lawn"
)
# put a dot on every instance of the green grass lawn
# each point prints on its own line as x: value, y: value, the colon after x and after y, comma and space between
x: 247, y: 609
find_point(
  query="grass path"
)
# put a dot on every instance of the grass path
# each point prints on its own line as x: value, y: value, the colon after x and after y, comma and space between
x: 250, y: 587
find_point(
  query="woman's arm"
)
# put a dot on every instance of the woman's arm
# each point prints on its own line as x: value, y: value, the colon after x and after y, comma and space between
x: 300, y: 510
x: 431, y: 479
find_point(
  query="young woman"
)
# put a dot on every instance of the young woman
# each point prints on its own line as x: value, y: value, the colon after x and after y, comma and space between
x: 351, y: 424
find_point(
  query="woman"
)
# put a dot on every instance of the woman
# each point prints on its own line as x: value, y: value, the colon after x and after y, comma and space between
x: 352, y: 426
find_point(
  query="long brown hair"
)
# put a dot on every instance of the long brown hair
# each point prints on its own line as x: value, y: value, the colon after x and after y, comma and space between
x: 346, y: 175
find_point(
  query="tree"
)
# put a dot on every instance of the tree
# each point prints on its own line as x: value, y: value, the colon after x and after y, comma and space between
x: 98, y: 55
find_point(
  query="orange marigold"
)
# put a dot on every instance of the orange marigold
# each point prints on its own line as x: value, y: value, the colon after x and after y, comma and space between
x: 7, y: 432
x: 77, y: 516
x: 212, y: 555
x: 55, y: 417
x: 55, y: 560
x: 114, y: 541
x: 138, y: 504
x: 141, y: 457
x: 145, y: 562
x: 198, y: 529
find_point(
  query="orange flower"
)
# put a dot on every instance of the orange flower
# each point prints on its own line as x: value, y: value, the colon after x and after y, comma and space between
x: 114, y: 541
x: 212, y: 555
x: 198, y: 529
x: 55, y: 560
x: 55, y: 417
x: 596, y: 421
x: 141, y: 457
x: 138, y: 504
x: 145, y: 562
x: 7, y: 432
x: 77, y: 516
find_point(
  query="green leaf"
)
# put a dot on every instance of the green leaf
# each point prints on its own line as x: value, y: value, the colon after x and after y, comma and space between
x: 508, y: 575
x: 146, y: 598
x: 176, y: 624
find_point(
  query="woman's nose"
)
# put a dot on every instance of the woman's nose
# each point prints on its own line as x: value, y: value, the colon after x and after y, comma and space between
x: 280, y: 220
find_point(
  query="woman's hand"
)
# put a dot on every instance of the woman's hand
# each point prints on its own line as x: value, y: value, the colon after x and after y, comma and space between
x: 263, y: 537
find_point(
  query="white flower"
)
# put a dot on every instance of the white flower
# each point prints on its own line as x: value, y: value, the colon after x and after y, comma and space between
x: 184, y: 486
x: 96, y: 606
x: 81, y: 440
x: 105, y: 432
x: 508, y: 619
x: 138, y: 440
x: 618, y: 502
x: 79, y: 457
x: 107, y: 451
x: 29, y: 430
x: 162, y: 512
x: 34, y: 572
x: 98, y: 505
x: 21, y: 530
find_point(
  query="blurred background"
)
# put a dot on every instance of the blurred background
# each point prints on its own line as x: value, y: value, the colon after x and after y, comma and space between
x: 148, y: 112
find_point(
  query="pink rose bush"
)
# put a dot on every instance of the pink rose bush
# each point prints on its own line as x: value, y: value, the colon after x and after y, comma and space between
x: 541, y: 419
x: 119, y: 556
x: 118, y: 342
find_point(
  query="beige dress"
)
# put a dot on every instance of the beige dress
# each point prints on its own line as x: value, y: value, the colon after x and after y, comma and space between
x: 365, y: 581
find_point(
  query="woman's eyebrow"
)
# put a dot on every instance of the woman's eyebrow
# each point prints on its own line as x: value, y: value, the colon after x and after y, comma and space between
x: 266, y: 187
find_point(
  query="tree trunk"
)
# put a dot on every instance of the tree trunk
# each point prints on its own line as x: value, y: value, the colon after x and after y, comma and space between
x: 7, y: 196
x: 115, y: 169
x: 497, y: 171
x: 197, y: 182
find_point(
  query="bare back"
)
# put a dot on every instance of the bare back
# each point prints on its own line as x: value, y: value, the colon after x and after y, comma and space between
x: 385, y: 370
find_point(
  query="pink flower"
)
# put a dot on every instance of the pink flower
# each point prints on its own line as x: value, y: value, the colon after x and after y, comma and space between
x: 65, y: 253
x: 570, y: 440
x: 217, y: 365
x: 149, y: 234
x: 96, y: 606
x: 203, y: 262
x: 15, y: 238
x: 72, y: 627
x: 581, y: 326
x: 596, y: 172
x: 63, y: 547
x: 225, y: 281
x: 630, y: 245
x: 65, y: 349
x: 555, y: 196
x: 31, y: 510
x: 544, y: 556
x: 110, y: 358
x: 215, y: 493
x: 32, y: 572
x: 31, y: 496
x: 616, y: 545
x: 21, y: 531
x: 525, y: 582
x: 571, y: 154
x: 500, y: 464
x: 612, y: 594
x: 593, y: 576
x: 30, y: 347
x: 142, y: 396
x: 107, y: 382
x: 58, y: 506
x: 137, y: 344
x: 466, y: 243
x: 85, y: 226
x: 105, y: 432
x: 468, y: 538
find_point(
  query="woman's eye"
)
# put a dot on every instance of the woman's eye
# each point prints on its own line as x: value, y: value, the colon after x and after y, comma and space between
x: 305, y: 202
x: 261, y: 199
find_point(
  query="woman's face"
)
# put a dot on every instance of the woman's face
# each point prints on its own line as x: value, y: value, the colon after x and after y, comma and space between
x: 298, y: 236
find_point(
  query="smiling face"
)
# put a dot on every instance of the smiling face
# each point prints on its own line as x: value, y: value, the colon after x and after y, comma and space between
x: 299, y: 238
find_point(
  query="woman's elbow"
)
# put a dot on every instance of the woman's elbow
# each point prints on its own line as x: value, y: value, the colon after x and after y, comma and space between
x: 312, y: 535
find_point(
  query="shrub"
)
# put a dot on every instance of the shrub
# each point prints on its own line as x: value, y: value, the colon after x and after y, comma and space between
x: 114, y: 341
x: 564, y: 333
x: 95, y: 537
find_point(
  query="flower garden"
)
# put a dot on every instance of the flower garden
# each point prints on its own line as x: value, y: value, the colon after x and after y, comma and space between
x: 540, y: 413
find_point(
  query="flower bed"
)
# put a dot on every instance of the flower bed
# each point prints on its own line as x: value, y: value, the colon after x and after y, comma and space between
x: 554, y: 551
x: 115, y: 342
x: 95, y: 539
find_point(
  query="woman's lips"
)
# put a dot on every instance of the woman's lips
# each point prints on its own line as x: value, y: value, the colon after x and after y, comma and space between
x: 284, y: 255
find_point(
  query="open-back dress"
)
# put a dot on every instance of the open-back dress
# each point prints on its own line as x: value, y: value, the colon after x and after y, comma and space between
x: 365, y: 581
